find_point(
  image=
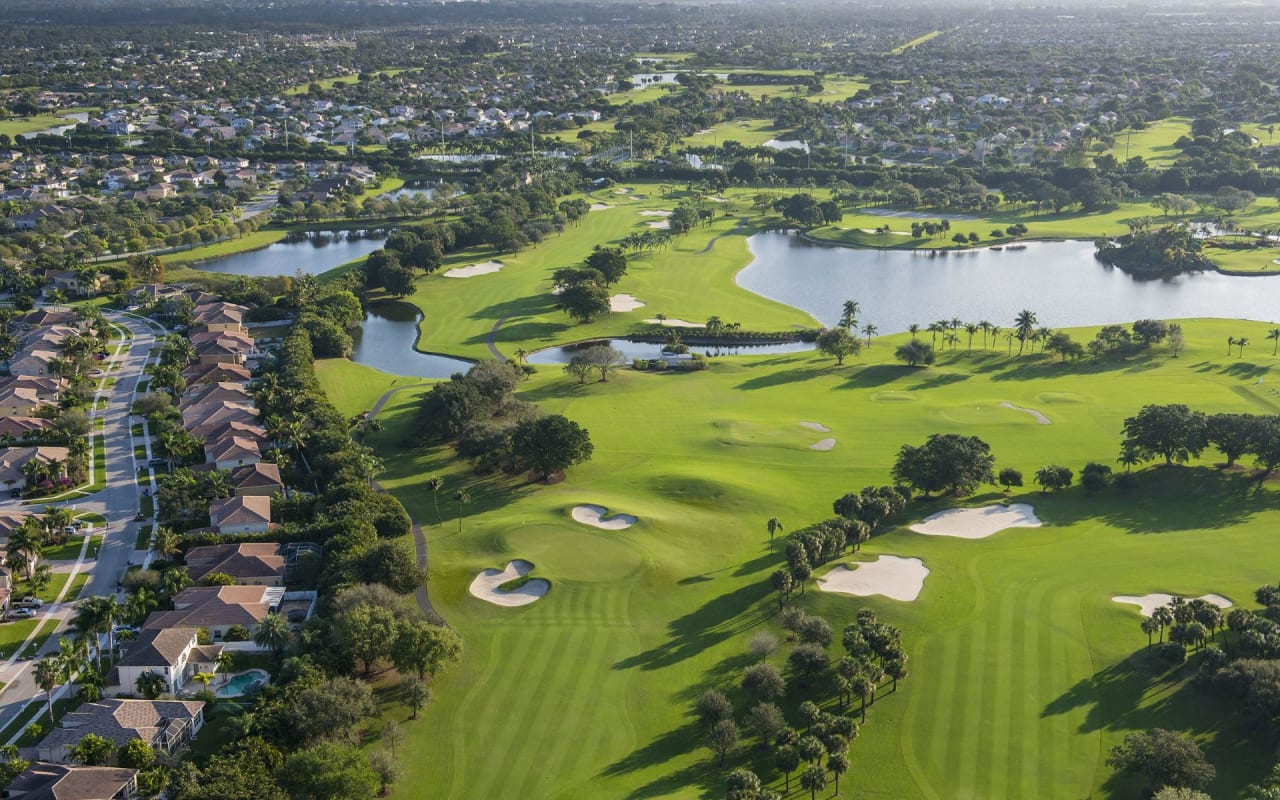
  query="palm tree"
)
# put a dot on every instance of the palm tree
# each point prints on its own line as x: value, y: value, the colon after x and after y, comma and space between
x: 166, y: 543
x: 913, y: 329
x: 1231, y: 342
x: 27, y: 541
x: 1024, y: 326
x: 1241, y: 342
x: 463, y: 499
x: 46, y: 673
x: 849, y: 319
x: 838, y: 763
x: 1149, y: 627
x: 96, y: 615
x: 1162, y: 617
x: 714, y: 325
x: 813, y: 779
x: 1008, y: 337
x: 204, y: 678
x: 869, y: 330
x: 995, y: 334
x: 936, y: 328
x: 225, y: 662
x: 774, y: 526
x: 175, y: 580
x: 151, y: 684
x: 435, y: 484
x: 1129, y: 457
x: 273, y: 633
x: 140, y: 604
x: 985, y: 327
x: 1274, y: 335
x: 970, y: 328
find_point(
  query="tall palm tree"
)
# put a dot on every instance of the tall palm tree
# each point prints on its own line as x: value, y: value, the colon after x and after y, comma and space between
x: 273, y: 633
x: 1231, y: 342
x: 838, y: 763
x: 175, y: 580
x: 27, y: 541
x: 936, y: 328
x: 869, y: 330
x: 1163, y: 617
x: 774, y: 526
x: 1241, y: 342
x: 463, y: 499
x: 995, y: 335
x: 1023, y: 327
x: 435, y: 483
x: 971, y: 329
x: 1149, y: 627
x: 225, y: 662
x: 46, y: 673
x: 813, y: 779
x: 849, y: 317
x: 913, y: 329
x: 141, y: 603
x: 985, y: 327
x: 93, y: 617
x: 1274, y: 335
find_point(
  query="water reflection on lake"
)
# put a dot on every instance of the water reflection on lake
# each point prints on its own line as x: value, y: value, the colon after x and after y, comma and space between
x: 313, y: 252
x: 385, y: 341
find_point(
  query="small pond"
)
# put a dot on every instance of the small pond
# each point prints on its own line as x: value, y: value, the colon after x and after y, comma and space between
x: 385, y: 341
x: 312, y: 252
x: 561, y: 355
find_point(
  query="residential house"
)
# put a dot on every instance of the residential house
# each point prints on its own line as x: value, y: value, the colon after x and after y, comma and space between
x: 261, y: 479
x: 241, y: 514
x: 215, y: 393
x: 22, y: 429
x: 14, y: 461
x: 217, y: 373
x: 173, y: 653
x: 223, y: 347
x: 249, y: 563
x: 218, y: 608
x: 219, y: 316
x: 32, y: 362
x: 18, y: 401
x: 41, y: 781
x: 166, y: 725
x: 233, y: 452
x: 201, y: 420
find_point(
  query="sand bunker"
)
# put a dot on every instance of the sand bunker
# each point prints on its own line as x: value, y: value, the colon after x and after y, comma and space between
x: 622, y: 190
x: 624, y: 302
x: 485, y: 586
x: 977, y: 523
x: 483, y: 268
x: 594, y: 516
x: 660, y: 226
x: 600, y: 207
x: 673, y: 323
x: 892, y: 576
x: 1148, y: 603
x: 815, y: 426
x: 1040, y: 418
x: 824, y: 444
x: 655, y: 213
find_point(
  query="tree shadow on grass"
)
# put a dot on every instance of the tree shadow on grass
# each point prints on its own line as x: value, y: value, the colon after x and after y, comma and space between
x: 527, y: 306
x: 724, y: 617
x: 662, y: 750
x: 780, y: 377
x: 1166, y: 499
x: 940, y: 379
x: 878, y: 375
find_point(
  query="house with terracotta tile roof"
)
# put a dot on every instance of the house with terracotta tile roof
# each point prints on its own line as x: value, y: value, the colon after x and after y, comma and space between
x: 249, y: 563
x: 166, y: 725
x: 175, y: 654
x: 217, y: 608
x: 241, y: 514
x: 261, y: 479
x: 43, y: 781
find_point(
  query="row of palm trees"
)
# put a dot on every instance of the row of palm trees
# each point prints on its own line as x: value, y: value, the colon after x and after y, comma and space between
x: 1025, y: 329
x: 1190, y: 622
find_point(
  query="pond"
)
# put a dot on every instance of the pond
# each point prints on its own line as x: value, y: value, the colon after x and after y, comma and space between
x: 412, y: 189
x: 385, y: 341
x: 1060, y: 281
x: 312, y: 252
x: 561, y: 355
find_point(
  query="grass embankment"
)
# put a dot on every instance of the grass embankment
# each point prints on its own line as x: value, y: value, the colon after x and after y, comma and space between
x: 1015, y: 637
x: 14, y: 128
x: 1153, y: 143
x: 353, y: 388
x: 681, y: 282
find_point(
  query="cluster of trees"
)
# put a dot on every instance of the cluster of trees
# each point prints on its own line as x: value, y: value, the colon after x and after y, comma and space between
x: 946, y: 462
x: 1176, y: 433
x: 481, y: 415
x: 598, y: 358
x: 873, y: 656
x: 394, y: 266
x: 804, y: 209
x: 583, y: 292
x: 1167, y: 250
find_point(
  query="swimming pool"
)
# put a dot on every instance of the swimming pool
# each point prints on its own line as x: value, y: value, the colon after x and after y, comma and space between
x: 243, y: 683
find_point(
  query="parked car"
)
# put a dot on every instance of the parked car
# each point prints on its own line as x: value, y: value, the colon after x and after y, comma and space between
x: 23, y: 613
x: 158, y: 462
x: 30, y: 601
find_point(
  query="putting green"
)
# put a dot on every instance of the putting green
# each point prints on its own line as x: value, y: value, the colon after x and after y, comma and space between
x: 1022, y: 676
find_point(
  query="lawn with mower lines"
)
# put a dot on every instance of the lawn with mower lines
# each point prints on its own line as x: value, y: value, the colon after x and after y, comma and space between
x: 1021, y: 678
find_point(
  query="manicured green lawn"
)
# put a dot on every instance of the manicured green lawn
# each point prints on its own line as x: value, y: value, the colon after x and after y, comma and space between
x: 1259, y: 261
x: 1022, y: 666
x: 1154, y: 142
x: 16, y: 127
x: 919, y: 40
x: 686, y: 281
x: 354, y: 388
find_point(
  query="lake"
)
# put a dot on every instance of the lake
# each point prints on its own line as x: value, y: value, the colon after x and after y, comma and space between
x: 1060, y: 281
x: 561, y: 355
x: 385, y: 342
x: 313, y: 252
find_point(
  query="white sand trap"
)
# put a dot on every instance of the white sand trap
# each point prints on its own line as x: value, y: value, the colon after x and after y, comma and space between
x: 622, y: 190
x: 894, y: 577
x: 673, y: 323
x: 977, y: 523
x: 485, y: 585
x: 823, y: 444
x: 660, y: 226
x: 656, y: 213
x: 594, y: 516
x: 1040, y: 418
x: 1275, y: 261
x: 483, y: 268
x: 1148, y: 603
x: 600, y: 207
x: 815, y: 426
x: 624, y: 302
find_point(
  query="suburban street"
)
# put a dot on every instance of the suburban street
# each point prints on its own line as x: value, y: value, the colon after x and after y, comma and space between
x: 117, y: 502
